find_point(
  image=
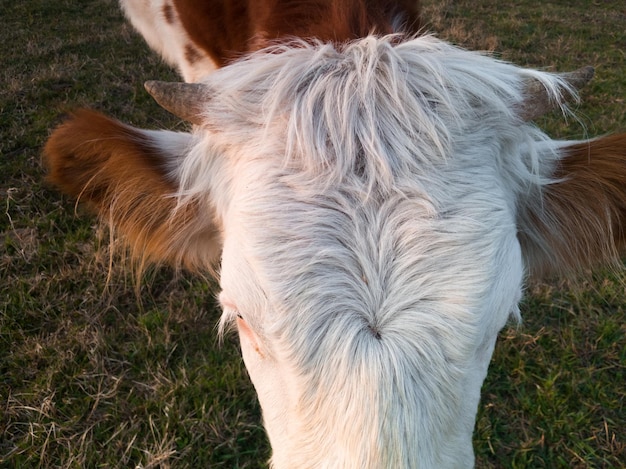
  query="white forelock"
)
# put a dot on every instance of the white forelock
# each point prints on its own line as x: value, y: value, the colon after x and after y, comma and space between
x: 392, y: 108
x: 368, y: 197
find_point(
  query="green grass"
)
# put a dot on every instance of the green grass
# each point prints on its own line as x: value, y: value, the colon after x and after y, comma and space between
x: 93, y: 376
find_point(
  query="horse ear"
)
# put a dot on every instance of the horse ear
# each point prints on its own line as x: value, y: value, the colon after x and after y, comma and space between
x: 125, y: 176
x: 579, y: 220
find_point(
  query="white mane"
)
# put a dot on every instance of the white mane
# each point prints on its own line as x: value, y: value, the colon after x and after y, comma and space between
x: 372, y: 108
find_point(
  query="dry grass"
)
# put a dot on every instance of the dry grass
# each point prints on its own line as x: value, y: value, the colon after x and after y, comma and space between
x: 91, y: 375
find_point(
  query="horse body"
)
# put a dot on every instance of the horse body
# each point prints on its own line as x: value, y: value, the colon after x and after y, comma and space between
x: 375, y: 206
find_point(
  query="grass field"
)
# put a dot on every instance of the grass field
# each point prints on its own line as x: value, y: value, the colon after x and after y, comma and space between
x: 94, y: 375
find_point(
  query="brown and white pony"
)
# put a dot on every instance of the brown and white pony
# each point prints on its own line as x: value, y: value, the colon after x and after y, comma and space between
x: 374, y: 200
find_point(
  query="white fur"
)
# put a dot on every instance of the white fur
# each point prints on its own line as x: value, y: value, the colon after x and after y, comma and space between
x: 167, y: 39
x: 368, y: 198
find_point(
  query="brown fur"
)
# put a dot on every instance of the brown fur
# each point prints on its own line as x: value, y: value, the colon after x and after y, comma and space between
x: 226, y: 29
x: 114, y: 169
x: 192, y: 55
x: 580, y: 221
x: 168, y: 13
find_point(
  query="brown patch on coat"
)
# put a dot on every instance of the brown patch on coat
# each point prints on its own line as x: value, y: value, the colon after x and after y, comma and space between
x: 192, y: 54
x: 169, y: 14
x: 227, y: 29
x: 116, y: 171
x: 580, y: 221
